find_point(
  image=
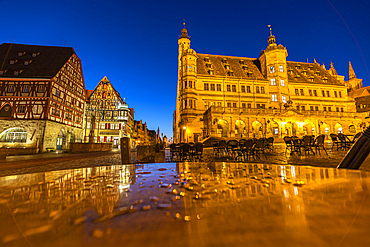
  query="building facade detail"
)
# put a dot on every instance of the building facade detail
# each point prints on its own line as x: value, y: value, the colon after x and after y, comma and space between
x: 241, y: 97
x: 42, y: 97
x: 107, y: 116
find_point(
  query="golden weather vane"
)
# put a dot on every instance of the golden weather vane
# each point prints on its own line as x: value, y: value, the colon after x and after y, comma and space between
x: 269, y: 26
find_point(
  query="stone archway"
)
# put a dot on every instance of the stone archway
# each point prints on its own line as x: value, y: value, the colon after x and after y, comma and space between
x: 325, y: 129
x: 257, y: 129
x: 352, y: 129
x: 222, y: 128
x: 239, y: 128
x: 338, y: 128
x: 6, y: 111
x: 61, y: 139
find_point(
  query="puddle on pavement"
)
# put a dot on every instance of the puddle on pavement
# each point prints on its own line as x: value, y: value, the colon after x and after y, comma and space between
x: 185, y: 203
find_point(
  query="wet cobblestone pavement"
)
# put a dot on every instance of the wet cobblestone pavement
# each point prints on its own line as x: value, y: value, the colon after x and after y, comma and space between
x: 104, y: 203
x: 92, y: 200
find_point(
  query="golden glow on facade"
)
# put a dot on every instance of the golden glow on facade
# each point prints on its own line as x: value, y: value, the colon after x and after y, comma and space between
x: 240, y: 97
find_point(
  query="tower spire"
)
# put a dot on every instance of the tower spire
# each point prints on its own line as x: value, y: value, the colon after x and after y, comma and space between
x: 351, y: 72
x: 184, y: 32
x: 271, y: 38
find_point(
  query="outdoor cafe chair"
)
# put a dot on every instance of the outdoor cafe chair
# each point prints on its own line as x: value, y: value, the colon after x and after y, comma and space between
x: 319, y: 143
x: 343, y: 141
x: 198, y: 151
x: 248, y: 149
x: 307, y: 144
x: 296, y: 144
x: 215, y: 148
x: 173, y: 152
x: 259, y: 148
x: 288, y: 143
x: 269, y: 145
x: 241, y: 149
x: 184, y: 151
x: 232, y: 148
x: 335, y: 141
x: 222, y: 148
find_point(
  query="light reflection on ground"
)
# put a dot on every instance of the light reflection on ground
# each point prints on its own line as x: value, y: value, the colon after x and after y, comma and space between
x: 186, y: 204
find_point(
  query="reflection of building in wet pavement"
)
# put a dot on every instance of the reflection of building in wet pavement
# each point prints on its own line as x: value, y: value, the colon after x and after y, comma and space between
x: 195, y: 204
x: 60, y: 197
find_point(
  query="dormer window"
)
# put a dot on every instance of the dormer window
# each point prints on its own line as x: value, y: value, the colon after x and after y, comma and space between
x: 1, y: 72
x: 249, y: 73
x: 272, y: 69
x: 304, y: 72
x: 27, y: 62
x: 224, y: 60
x: 281, y: 67
x: 241, y: 62
x: 21, y: 53
x: 227, y: 66
x: 230, y: 73
x: 12, y: 61
x: 311, y: 78
x: 16, y: 72
x: 208, y: 65
x: 210, y: 71
x: 35, y: 54
x: 298, y: 66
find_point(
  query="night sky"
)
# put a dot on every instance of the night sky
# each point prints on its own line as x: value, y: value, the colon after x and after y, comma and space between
x: 134, y: 43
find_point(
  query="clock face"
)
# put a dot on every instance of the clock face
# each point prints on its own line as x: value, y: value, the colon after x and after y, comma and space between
x: 7, y: 108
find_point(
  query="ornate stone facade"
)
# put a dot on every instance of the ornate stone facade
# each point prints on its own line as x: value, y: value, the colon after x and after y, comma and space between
x: 241, y: 97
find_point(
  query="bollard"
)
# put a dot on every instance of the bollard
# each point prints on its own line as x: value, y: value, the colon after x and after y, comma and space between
x: 125, y: 150
x: 358, y: 152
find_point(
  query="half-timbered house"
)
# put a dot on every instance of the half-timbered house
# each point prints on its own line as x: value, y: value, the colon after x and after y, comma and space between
x: 42, y: 97
x: 107, y: 116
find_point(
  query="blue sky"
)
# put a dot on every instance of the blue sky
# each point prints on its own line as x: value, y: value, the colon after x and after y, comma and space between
x: 134, y: 43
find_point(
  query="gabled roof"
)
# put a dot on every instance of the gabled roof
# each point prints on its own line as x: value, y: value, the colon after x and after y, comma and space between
x: 241, y: 67
x: 360, y: 92
x: 43, y: 61
x: 305, y: 72
x: 102, y: 81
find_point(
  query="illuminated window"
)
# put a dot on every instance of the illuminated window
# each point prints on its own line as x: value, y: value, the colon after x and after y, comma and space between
x: 282, y: 83
x: 274, y: 97
x: 281, y: 68
x: 249, y: 105
x: 242, y: 89
x: 26, y: 88
x: 229, y: 104
x: 212, y: 87
x: 248, y: 89
x: 311, y: 108
x: 272, y: 69
x: 234, y: 105
x: 233, y: 88
x: 22, y: 109
x: 310, y: 92
x: 262, y: 89
x: 315, y: 92
x: 302, y: 92
x: 218, y: 87
x: 273, y: 82
x: 14, y: 135
x: 296, y: 91
x: 228, y: 88
x: 283, y: 98
x: 191, y: 84
x: 57, y: 93
x: 11, y: 88
x: 243, y: 105
x: 12, y: 62
x: 257, y: 89
x: 206, y: 86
